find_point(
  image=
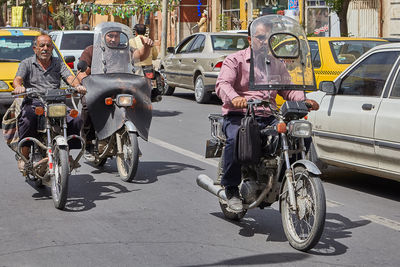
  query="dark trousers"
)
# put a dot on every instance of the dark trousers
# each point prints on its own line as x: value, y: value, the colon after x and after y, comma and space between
x: 88, y: 132
x: 232, y: 169
x: 27, y: 123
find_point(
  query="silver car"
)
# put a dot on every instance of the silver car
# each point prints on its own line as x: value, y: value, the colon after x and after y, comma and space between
x: 195, y: 62
x: 358, y: 123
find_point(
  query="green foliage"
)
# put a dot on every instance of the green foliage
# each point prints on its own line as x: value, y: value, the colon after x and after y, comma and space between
x: 223, y: 22
x: 65, y: 16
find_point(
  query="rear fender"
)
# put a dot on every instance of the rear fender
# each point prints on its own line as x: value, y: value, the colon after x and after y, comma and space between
x: 60, y: 141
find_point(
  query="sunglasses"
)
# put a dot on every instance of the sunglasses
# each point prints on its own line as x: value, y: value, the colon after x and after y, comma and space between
x: 262, y: 38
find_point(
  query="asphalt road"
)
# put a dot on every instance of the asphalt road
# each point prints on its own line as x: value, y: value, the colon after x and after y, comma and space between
x: 164, y: 219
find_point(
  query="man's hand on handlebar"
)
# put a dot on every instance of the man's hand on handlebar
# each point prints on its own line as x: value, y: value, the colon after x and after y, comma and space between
x: 311, y: 104
x: 239, y: 102
x: 19, y: 90
x: 81, y: 89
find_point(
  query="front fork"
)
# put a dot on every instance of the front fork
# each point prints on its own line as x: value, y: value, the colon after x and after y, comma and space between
x: 288, y: 172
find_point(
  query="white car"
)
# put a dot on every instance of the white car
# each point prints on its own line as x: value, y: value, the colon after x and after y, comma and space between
x: 358, y: 123
x: 72, y: 43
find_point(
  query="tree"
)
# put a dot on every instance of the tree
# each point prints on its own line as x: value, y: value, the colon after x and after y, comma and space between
x: 340, y: 7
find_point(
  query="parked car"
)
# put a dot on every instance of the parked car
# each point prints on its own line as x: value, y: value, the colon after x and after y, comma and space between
x: 15, y: 45
x: 72, y: 43
x: 196, y: 61
x: 357, y: 124
x: 332, y: 55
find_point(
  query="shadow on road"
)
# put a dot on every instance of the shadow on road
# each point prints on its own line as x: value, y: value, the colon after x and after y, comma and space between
x: 83, y: 192
x: 362, y: 182
x: 165, y: 113
x: 148, y: 171
x: 261, y: 259
x: 269, y: 223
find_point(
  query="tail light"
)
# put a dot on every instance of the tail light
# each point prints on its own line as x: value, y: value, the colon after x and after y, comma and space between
x: 73, y: 113
x: 39, y: 111
x: 218, y: 65
x: 149, y: 75
x: 71, y: 65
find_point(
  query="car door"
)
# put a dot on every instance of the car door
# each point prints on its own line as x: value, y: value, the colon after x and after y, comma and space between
x: 387, y: 130
x: 345, y: 123
x: 189, y: 61
x: 173, y: 62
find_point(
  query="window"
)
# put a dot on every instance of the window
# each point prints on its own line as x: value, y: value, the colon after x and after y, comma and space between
x: 316, y: 59
x: 184, y: 47
x: 396, y: 87
x: 346, y: 52
x: 229, y: 42
x: 76, y: 41
x: 369, y: 77
x: 198, y: 44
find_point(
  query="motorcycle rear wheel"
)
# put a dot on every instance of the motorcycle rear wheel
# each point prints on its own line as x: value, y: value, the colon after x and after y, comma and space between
x: 59, y: 182
x: 303, y: 227
x: 127, y: 162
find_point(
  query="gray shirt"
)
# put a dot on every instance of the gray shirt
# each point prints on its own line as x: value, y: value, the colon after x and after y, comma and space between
x: 35, y: 76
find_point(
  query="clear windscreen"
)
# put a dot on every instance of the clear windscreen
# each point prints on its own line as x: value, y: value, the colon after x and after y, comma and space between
x: 280, y: 57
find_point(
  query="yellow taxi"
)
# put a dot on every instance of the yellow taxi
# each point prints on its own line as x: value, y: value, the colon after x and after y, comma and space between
x: 15, y: 45
x: 332, y: 55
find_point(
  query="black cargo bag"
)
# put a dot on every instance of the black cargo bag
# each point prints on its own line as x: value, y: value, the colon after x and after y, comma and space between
x: 248, y: 142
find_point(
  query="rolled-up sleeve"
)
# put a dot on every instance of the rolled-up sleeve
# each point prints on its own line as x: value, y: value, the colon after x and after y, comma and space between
x: 22, y: 69
x: 226, y: 80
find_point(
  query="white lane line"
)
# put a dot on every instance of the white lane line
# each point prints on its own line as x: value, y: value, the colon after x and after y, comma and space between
x: 182, y: 151
x: 383, y: 221
x: 333, y: 204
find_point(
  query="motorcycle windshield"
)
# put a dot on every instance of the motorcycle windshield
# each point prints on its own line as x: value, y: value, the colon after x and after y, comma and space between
x: 280, y: 55
x: 107, y: 119
x: 111, y: 51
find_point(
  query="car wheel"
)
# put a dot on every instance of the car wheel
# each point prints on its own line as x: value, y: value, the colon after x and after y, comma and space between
x: 200, y: 93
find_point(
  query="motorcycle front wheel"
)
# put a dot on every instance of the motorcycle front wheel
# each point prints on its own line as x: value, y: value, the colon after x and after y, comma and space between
x: 304, y: 226
x: 59, y: 183
x: 128, y: 160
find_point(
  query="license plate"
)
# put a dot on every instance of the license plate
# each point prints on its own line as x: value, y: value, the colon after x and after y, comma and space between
x: 154, y: 83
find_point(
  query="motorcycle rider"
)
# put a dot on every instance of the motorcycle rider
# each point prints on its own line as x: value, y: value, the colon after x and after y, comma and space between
x: 112, y: 39
x: 42, y: 71
x: 232, y: 87
x: 140, y: 31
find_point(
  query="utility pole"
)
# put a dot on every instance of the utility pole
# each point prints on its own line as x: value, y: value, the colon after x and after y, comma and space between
x: 33, y: 19
x: 164, y: 14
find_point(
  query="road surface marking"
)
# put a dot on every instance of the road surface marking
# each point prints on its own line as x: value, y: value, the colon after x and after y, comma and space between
x: 333, y: 204
x: 383, y: 221
x: 182, y: 151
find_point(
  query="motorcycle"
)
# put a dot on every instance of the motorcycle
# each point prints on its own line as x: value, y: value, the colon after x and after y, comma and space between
x: 278, y: 169
x: 48, y: 162
x: 118, y: 102
x: 157, y: 82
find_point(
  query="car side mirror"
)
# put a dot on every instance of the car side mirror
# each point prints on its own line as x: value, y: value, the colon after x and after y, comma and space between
x: 327, y: 87
x: 171, y: 50
x: 69, y: 59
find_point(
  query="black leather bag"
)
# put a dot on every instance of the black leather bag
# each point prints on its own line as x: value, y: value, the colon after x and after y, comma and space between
x: 248, y: 142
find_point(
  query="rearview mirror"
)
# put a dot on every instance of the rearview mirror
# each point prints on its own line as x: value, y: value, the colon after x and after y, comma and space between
x: 69, y: 59
x: 327, y: 87
x: 171, y: 50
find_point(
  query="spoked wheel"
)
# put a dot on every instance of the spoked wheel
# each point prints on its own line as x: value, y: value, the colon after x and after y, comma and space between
x: 128, y: 160
x: 59, y: 183
x: 235, y: 216
x: 303, y: 227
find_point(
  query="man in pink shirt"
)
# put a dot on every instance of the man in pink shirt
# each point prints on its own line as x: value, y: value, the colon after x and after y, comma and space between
x: 233, y: 88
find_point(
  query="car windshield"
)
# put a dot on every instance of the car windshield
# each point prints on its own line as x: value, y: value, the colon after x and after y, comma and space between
x: 76, y: 41
x: 17, y: 48
x: 346, y: 52
x: 229, y: 42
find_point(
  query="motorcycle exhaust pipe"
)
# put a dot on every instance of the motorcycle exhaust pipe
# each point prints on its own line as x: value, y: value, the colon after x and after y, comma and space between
x: 207, y: 183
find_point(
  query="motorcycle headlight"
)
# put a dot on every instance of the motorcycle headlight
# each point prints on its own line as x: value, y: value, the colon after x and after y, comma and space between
x: 299, y: 128
x: 56, y: 110
x: 124, y: 100
x: 3, y: 85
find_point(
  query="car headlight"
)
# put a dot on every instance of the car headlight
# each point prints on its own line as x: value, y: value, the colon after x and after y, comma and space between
x: 300, y: 128
x: 124, y: 100
x: 3, y: 85
x: 57, y: 110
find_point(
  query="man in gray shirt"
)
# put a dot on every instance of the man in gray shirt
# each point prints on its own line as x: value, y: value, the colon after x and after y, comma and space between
x: 41, y: 72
